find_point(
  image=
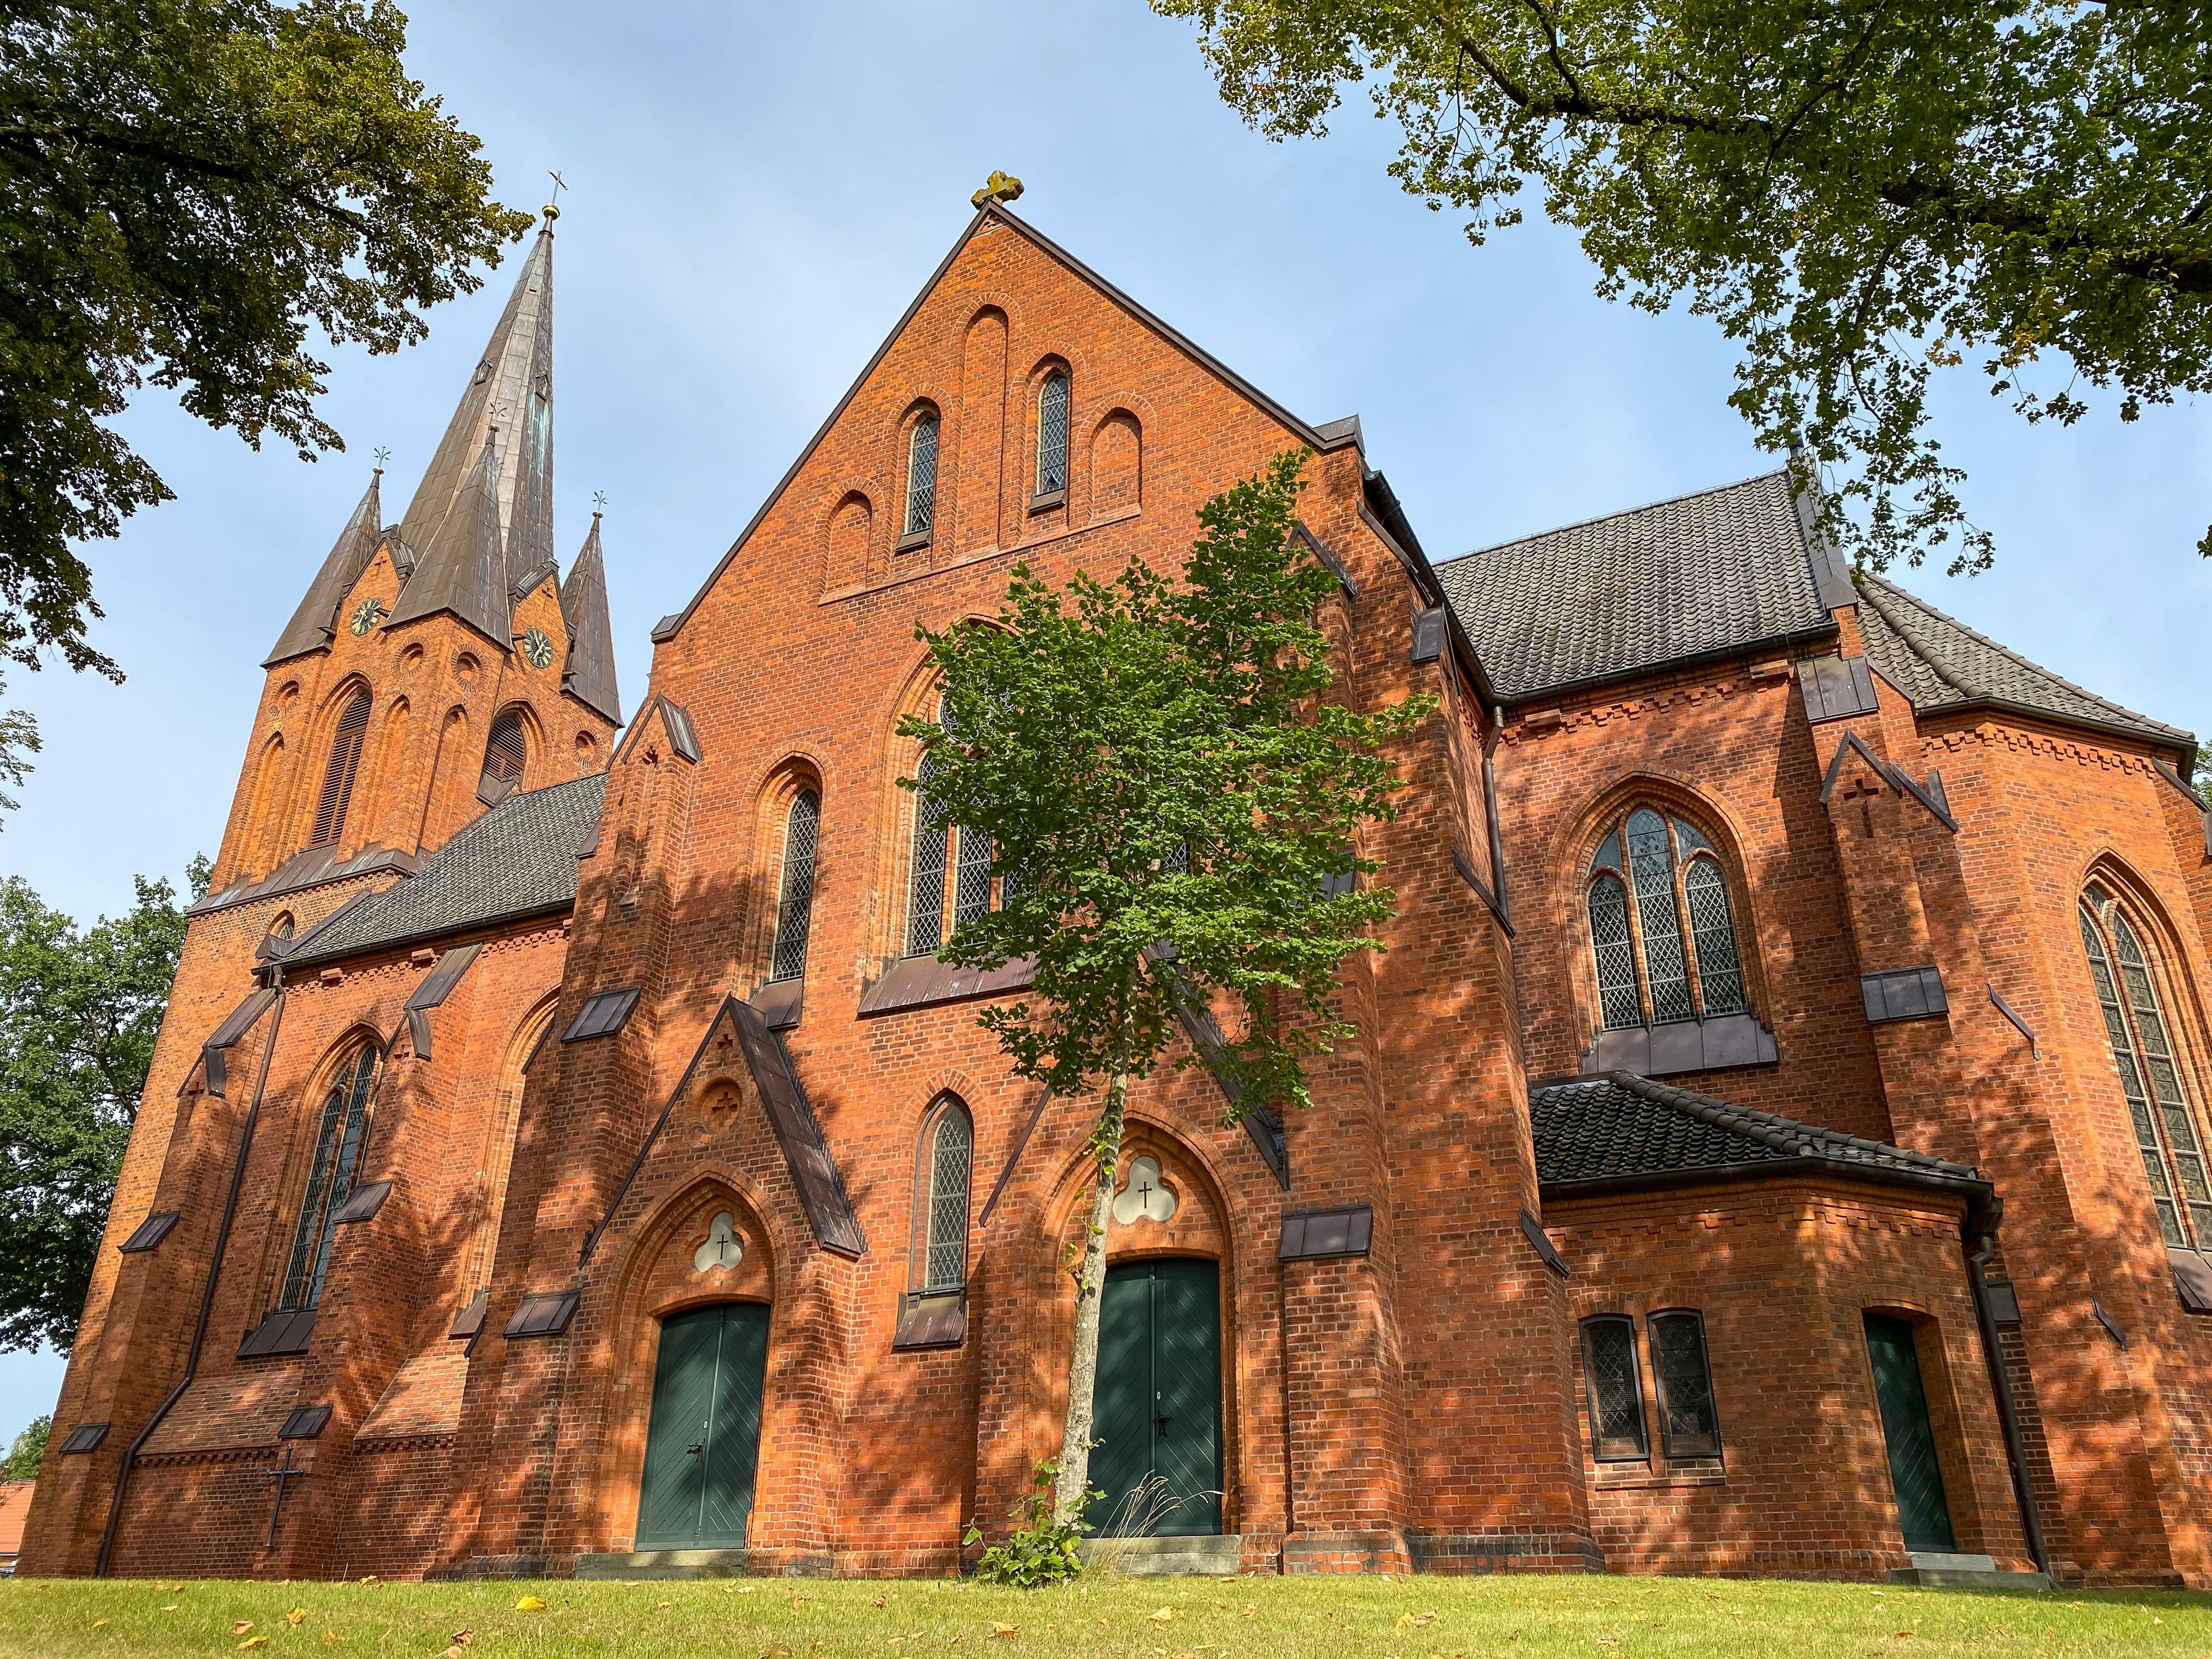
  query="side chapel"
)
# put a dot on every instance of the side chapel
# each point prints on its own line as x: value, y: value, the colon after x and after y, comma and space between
x: 1775, y: 1142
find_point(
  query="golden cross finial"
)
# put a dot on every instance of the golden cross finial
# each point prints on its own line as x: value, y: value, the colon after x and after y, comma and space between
x: 1000, y: 186
x: 553, y: 207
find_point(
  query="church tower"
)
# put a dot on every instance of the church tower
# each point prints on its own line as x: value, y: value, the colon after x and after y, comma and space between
x: 438, y: 662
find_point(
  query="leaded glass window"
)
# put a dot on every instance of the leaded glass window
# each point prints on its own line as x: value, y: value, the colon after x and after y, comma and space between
x: 794, y: 905
x: 921, y: 475
x: 338, y: 1133
x: 1662, y: 928
x: 1616, y: 1389
x: 971, y: 883
x: 1688, y: 1426
x: 1052, y: 434
x: 2158, y: 1108
x: 925, y: 910
x: 951, y: 1159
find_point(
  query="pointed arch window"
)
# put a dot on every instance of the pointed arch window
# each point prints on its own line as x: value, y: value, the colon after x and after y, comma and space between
x: 920, y: 476
x: 2159, y: 1106
x: 338, y: 773
x: 948, y: 1163
x: 1052, y: 434
x: 794, y: 905
x: 504, y: 752
x: 340, y: 1128
x: 1662, y: 928
x: 939, y: 851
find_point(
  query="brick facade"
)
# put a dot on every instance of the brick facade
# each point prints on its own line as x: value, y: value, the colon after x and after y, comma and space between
x: 1417, y: 1406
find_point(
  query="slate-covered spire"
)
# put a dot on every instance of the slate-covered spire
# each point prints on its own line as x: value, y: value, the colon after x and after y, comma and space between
x: 511, y: 389
x: 590, y: 672
x: 315, y: 622
x: 463, y: 567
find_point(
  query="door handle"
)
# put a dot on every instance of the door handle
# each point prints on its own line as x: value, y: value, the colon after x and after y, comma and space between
x: 695, y: 1448
x: 1161, y: 1424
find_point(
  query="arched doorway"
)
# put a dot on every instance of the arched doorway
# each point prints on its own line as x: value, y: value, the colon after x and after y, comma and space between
x: 1158, y: 1413
x: 704, y: 1440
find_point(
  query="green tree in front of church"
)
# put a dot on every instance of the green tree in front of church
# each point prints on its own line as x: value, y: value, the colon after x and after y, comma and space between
x: 186, y: 186
x: 79, y: 1010
x: 28, y: 1451
x: 1860, y: 192
x: 1171, y: 799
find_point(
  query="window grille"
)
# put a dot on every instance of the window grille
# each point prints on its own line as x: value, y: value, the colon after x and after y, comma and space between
x: 339, y: 772
x: 1616, y: 957
x: 794, y: 908
x: 1616, y: 1389
x: 1720, y: 976
x: 1052, y: 435
x: 921, y: 477
x: 952, y: 1156
x: 971, y: 885
x: 925, y: 910
x: 1689, y: 1427
x: 503, y: 750
x: 2150, y: 1077
x: 329, y: 1180
x: 1650, y: 875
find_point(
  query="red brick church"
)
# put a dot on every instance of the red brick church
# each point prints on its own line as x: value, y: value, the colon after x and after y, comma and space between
x: 1776, y: 1143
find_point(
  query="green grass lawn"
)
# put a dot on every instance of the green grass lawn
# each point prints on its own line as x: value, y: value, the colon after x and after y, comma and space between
x: 1504, y: 1618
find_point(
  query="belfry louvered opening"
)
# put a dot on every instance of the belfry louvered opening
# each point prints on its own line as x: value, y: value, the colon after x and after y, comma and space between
x: 794, y: 905
x: 2152, y: 1077
x: 1662, y: 926
x: 505, y: 751
x: 339, y: 771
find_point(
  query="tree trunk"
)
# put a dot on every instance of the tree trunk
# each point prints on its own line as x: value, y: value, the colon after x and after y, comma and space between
x: 1074, y: 1478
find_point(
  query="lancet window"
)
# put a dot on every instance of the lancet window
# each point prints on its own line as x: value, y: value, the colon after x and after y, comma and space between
x: 504, y: 750
x: 2151, y: 1077
x: 340, y: 1128
x: 1052, y: 434
x: 1663, y: 932
x: 338, y: 773
x: 949, y: 1157
x: 921, y: 475
x: 943, y: 851
x: 794, y: 906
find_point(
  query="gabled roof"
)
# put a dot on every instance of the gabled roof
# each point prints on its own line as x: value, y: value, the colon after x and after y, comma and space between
x: 1940, y: 663
x: 1723, y: 570
x: 315, y: 622
x: 513, y: 389
x: 589, y: 674
x: 518, y: 860
x: 464, y: 567
x: 1339, y: 432
x: 1625, y: 1130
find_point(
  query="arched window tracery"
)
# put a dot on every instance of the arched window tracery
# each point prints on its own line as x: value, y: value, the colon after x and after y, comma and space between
x: 1661, y: 925
x: 920, y: 476
x: 2165, y: 1120
x: 1052, y: 433
x: 340, y: 1128
x: 949, y: 1156
x: 794, y: 907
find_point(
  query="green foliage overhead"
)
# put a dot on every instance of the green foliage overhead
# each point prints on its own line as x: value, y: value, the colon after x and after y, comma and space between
x: 1156, y: 767
x: 79, y: 1011
x: 185, y: 187
x: 1858, y: 191
x: 29, y: 1450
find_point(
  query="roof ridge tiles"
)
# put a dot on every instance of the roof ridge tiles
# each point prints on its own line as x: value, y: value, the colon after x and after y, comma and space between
x: 1772, y: 1129
x: 1623, y: 512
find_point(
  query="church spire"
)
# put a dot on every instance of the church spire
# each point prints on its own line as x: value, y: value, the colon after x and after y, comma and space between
x: 464, y: 568
x: 513, y: 390
x: 314, y: 624
x: 589, y: 675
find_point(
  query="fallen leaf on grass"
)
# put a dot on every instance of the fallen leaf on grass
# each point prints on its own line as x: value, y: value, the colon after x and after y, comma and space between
x: 369, y: 1578
x: 464, y: 1637
x: 97, y: 1623
x: 171, y: 1607
x: 296, y: 1616
x: 451, y: 1653
x: 254, y: 1642
x: 530, y: 1604
x: 1417, y: 1619
x: 1163, y: 1615
x: 1249, y: 1609
x: 1904, y: 1635
x: 999, y: 1629
x: 776, y: 1650
x: 331, y: 1636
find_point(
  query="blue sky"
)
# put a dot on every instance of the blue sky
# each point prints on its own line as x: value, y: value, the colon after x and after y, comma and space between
x: 757, y: 191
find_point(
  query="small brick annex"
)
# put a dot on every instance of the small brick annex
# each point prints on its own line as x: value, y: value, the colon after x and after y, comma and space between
x: 1904, y: 1104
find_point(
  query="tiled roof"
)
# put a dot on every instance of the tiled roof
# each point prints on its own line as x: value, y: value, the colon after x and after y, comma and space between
x: 1620, y: 1125
x: 1723, y: 569
x: 1939, y: 662
x: 518, y: 858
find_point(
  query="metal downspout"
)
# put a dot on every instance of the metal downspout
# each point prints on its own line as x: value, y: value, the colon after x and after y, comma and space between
x: 2007, y: 1416
x: 207, y: 1296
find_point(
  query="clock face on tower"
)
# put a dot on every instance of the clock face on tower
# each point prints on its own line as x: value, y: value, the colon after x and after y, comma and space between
x: 366, y: 615
x: 537, y: 649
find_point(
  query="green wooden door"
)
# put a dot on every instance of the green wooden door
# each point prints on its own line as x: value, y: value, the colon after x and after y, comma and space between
x: 705, y: 1437
x: 1159, y: 1411
x: 1914, y: 1471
